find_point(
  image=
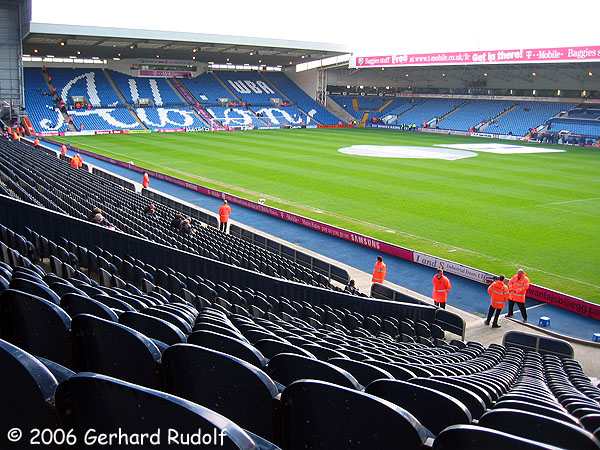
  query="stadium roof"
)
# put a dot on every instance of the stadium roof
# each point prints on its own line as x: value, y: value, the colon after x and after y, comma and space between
x: 105, y: 42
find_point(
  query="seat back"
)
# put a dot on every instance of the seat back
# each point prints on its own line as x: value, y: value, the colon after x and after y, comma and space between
x: 432, y: 408
x: 81, y: 304
x: 226, y: 384
x: 539, y: 428
x: 90, y: 401
x: 287, y: 368
x: 113, y: 349
x: 153, y: 327
x: 35, y: 325
x: 325, y: 416
x: 228, y: 345
x: 364, y: 372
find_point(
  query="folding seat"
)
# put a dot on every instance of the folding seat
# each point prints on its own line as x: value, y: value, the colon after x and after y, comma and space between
x: 432, y: 408
x: 61, y: 373
x: 4, y: 283
x: 226, y: 384
x: 471, y: 387
x: 113, y: 303
x: 271, y: 347
x: 113, y: 349
x: 228, y: 345
x: 27, y: 392
x: 591, y: 422
x: 539, y: 428
x: 287, y: 368
x: 470, y: 399
x: 321, y: 415
x: 206, y: 325
x: 172, y: 315
x: 62, y: 288
x: 364, y: 372
x: 153, y: 327
x: 35, y: 325
x: 106, y: 404
x: 545, y: 411
x: 39, y: 289
x: 473, y: 437
x: 75, y: 304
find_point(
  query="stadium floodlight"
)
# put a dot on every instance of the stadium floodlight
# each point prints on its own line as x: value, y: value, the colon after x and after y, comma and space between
x: 78, y: 52
x: 533, y: 74
x: 348, y: 86
x: 260, y: 61
x: 35, y: 50
x: 157, y: 56
x: 383, y: 68
x: 251, y: 53
x: 63, y: 43
x: 590, y: 74
x: 195, y: 50
x: 485, y: 74
x: 406, y: 75
x: 194, y: 58
x: 387, y: 87
x: 443, y: 75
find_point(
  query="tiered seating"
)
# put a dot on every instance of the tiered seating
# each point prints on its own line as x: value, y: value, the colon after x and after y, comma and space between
x: 585, y: 127
x: 524, y: 116
x: 236, y: 116
x: 207, y: 89
x: 50, y: 182
x: 249, y: 87
x: 169, y: 118
x: 473, y: 113
x: 85, y: 354
x: 39, y: 103
x: 425, y: 110
x: 300, y: 98
x: 345, y: 101
x: 589, y: 113
x: 91, y: 84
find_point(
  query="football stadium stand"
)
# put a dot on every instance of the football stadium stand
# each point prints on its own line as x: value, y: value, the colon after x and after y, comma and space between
x: 139, y: 103
x: 39, y: 103
x: 473, y: 113
x: 590, y: 128
x: 96, y: 324
x: 524, y: 116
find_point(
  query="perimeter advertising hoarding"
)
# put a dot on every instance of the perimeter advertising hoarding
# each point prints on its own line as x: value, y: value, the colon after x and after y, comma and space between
x: 513, y: 56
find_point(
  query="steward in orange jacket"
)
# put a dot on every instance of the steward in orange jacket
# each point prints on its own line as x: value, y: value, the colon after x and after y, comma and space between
x: 498, y: 292
x: 36, y: 142
x: 441, y: 288
x: 224, y: 213
x: 379, y: 271
x: 146, y: 180
x: 517, y: 287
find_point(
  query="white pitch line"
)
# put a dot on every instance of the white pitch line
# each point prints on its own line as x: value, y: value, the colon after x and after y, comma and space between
x: 536, y: 306
x: 572, y: 201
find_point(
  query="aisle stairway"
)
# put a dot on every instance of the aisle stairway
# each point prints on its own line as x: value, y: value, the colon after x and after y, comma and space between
x: 122, y: 99
x: 63, y: 111
x: 188, y: 97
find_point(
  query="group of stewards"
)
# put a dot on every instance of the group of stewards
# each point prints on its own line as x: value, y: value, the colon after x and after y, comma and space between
x: 499, y: 291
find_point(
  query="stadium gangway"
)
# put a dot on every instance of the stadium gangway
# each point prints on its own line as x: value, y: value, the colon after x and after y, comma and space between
x: 20, y: 216
x: 447, y: 320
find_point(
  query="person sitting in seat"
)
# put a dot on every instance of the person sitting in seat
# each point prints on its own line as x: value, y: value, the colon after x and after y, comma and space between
x: 351, y: 288
x: 99, y: 219
x: 176, y: 222
x: 150, y: 209
x: 186, y: 226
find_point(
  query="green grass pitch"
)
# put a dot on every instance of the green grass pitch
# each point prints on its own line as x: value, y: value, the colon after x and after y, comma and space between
x: 493, y: 212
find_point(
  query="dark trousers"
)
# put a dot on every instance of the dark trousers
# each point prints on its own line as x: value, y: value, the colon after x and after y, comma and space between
x: 223, y: 226
x: 511, y: 307
x: 491, y: 312
x: 440, y: 304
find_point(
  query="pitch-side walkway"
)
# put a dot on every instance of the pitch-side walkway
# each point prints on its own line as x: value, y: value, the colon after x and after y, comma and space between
x: 466, y: 295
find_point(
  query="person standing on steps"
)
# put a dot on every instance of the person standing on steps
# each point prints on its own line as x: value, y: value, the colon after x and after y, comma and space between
x: 498, y: 292
x: 441, y: 288
x: 224, y: 213
x: 379, y: 271
x: 517, y: 286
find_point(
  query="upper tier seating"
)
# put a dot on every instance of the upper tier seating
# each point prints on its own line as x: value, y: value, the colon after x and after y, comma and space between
x: 345, y: 101
x: 40, y: 107
x: 473, y: 113
x: 157, y: 90
x: 521, y: 399
x: 524, y: 116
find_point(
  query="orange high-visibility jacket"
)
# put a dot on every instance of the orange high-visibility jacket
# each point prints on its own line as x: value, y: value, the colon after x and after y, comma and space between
x: 63, y: 150
x: 498, y: 294
x: 146, y: 181
x: 224, y: 213
x: 441, y: 287
x: 79, y: 162
x: 518, y: 288
x: 75, y: 162
x: 36, y: 142
x: 379, y: 272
